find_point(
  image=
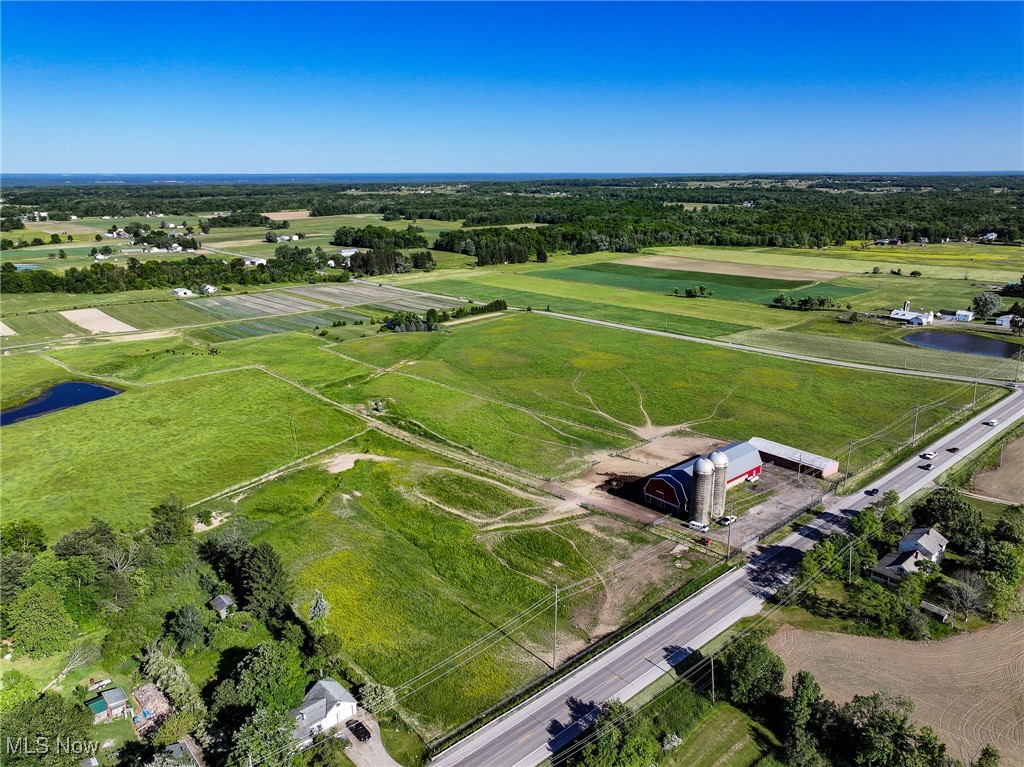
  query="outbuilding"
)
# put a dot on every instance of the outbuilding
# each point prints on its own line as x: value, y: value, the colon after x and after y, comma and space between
x: 109, y: 704
x: 182, y: 292
x: 675, y: 488
x: 208, y: 290
x: 964, y: 315
x: 795, y: 458
x: 1005, y: 321
x: 222, y: 604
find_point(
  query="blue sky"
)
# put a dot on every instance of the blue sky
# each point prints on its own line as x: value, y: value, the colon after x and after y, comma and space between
x: 471, y: 87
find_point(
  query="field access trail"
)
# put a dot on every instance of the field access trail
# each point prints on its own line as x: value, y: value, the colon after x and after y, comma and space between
x: 529, y: 734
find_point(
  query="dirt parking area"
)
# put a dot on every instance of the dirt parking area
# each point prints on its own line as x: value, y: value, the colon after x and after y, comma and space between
x: 372, y: 752
x: 1006, y: 482
x: 727, y: 267
x: 969, y: 689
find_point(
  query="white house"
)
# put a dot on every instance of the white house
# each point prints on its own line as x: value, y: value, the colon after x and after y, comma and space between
x: 326, y: 706
x: 207, y: 289
x: 182, y: 292
x: 964, y: 315
x: 254, y: 261
x: 926, y: 540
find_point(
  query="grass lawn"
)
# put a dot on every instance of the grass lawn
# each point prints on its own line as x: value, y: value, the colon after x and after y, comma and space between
x: 594, y: 377
x: 118, y: 457
x: 476, y: 497
x: 725, y: 738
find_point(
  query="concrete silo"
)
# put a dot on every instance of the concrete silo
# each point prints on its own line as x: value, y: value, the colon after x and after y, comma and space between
x: 720, y: 461
x: 703, y: 491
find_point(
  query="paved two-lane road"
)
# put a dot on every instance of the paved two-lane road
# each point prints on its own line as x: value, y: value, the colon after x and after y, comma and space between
x: 528, y: 734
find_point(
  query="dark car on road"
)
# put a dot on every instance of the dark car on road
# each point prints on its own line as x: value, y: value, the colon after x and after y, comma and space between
x: 952, y: 450
x: 358, y: 729
x: 872, y: 491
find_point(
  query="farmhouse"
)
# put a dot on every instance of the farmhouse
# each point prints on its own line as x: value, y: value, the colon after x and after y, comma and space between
x: 109, y: 704
x: 913, y: 318
x: 964, y: 315
x: 325, y: 707
x: 208, y: 290
x: 792, y: 458
x: 254, y: 261
x: 920, y: 545
x: 182, y: 292
x: 926, y: 540
x: 222, y: 603
x: 698, y: 485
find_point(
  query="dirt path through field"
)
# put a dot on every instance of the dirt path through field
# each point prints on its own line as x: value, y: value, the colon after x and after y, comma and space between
x: 728, y: 267
x: 969, y: 689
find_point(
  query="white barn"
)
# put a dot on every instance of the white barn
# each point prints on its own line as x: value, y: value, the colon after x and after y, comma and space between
x: 182, y: 292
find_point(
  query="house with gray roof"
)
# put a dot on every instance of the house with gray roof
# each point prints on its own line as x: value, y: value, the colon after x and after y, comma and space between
x: 326, y: 707
x: 109, y: 704
x: 223, y: 604
x: 926, y: 540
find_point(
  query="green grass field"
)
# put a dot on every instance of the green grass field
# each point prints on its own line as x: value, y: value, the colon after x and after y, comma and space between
x: 725, y: 738
x: 33, y: 328
x: 409, y: 584
x: 725, y: 286
x: 23, y: 376
x: 118, y: 457
x: 947, y: 261
x: 577, y: 379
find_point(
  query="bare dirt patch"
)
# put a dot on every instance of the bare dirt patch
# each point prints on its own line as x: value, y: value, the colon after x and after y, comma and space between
x: 345, y: 461
x: 96, y: 321
x: 287, y: 215
x: 63, y: 227
x: 726, y: 267
x: 6, y: 331
x: 463, y: 320
x: 1006, y: 482
x: 969, y: 689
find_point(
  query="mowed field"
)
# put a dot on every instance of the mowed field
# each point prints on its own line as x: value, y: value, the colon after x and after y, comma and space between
x: 118, y: 457
x: 968, y: 688
x: 411, y: 583
x: 542, y: 393
x: 734, y: 287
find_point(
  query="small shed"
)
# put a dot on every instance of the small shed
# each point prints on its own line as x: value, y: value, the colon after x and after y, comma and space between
x: 223, y: 604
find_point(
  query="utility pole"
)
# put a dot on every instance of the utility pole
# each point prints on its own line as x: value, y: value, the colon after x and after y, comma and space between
x: 849, y: 455
x: 917, y: 412
x: 712, y: 680
x: 1016, y: 375
x: 728, y: 543
x: 975, y: 400
x: 849, y: 573
x: 554, y: 634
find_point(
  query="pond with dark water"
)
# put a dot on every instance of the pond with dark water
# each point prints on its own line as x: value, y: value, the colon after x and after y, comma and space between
x: 965, y: 343
x: 59, y: 397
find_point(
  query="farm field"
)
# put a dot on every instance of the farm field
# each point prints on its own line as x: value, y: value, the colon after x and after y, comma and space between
x: 302, y: 358
x: 726, y: 737
x: 31, y: 328
x: 1005, y: 480
x: 118, y: 457
x: 725, y: 286
x: 421, y: 583
x: 615, y: 384
x: 966, y: 688
x: 555, y: 292
x: 949, y: 261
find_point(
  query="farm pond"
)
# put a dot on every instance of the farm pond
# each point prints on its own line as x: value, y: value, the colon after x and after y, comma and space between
x: 58, y: 397
x: 965, y: 343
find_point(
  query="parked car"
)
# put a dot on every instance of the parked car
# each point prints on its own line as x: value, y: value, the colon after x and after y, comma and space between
x: 993, y: 422
x: 928, y: 466
x: 872, y: 491
x: 726, y: 521
x: 700, y: 527
x: 358, y: 729
x: 952, y: 450
x: 928, y: 456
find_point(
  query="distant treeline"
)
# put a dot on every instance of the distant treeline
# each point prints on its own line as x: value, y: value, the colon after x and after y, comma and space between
x: 495, y: 246
x: 379, y: 236
x: 138, y: 275
x: 584, y: 215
